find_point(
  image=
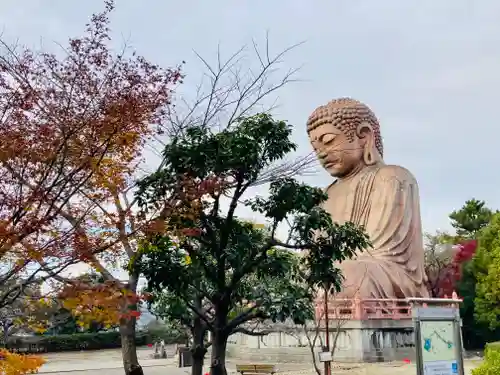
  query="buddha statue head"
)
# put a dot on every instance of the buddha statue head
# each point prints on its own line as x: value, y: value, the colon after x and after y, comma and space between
x: 345, y: 135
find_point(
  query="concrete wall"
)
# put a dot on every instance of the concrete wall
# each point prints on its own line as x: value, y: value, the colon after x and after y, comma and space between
x: 356, y: 341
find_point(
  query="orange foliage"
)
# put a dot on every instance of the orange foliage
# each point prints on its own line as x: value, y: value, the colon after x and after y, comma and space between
x: 107, y: 303
x: 19, y: 364
x: 73, y: 135
x: 73, y: 131
x: 36, y: 314
x: 186, y: 203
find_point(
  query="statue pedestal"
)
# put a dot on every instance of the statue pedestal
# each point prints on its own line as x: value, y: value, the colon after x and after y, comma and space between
x: 380, y: 340
x: 360, y: 331
x: 355, y: 341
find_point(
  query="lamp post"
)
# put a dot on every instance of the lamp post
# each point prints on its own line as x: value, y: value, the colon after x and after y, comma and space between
x: 327, y: 330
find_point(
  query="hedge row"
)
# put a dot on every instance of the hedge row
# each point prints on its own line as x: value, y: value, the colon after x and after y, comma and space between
x: 79, y: 341
x: 491, y: 362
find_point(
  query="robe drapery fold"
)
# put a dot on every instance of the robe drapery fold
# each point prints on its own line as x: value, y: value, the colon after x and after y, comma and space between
x: 383, y: 199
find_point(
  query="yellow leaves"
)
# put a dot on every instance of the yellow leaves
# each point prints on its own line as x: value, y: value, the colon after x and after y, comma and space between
x: 18, y: 364
x: 103, y: 303
x: 36, y: 304
x: 271, y: 251
x: 17, y: 321
x: 45, y: 302
x: 128, y: 138
x: 100, y: 310
x: 33, y: 314
x: 39, y: 328
x: 188, y: 260
x: 109, y: 173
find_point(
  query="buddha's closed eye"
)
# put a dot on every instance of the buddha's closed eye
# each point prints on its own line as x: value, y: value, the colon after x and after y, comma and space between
x: 327, y: 138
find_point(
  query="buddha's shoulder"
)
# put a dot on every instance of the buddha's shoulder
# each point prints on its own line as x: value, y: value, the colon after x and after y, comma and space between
x: 395, y: 171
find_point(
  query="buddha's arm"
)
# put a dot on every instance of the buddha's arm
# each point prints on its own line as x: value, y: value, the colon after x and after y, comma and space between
x: 393, y: 220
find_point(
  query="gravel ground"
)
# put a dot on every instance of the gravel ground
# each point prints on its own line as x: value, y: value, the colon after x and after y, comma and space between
x: 355, y: 370
x: 87, y: 363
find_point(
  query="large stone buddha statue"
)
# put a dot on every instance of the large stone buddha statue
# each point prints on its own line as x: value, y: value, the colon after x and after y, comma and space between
x: 382, y: 198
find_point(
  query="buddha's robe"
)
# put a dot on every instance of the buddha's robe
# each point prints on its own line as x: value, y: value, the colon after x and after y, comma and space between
x: 384, y: 199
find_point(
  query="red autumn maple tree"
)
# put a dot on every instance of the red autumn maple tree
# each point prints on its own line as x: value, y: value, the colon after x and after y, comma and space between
x: 73, y: 128
x: 465, y: 252
x: 444, y: 280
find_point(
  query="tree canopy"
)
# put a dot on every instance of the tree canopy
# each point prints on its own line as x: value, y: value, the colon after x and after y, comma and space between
x: 471, y: 222
x: 471, y: 218
x: 74, y: 126
x: 201, y: 248
x: 487, y: 268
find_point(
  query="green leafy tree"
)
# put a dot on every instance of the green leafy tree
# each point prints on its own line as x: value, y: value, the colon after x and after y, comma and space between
x: 470, y: 222
x: 470, y: 219
x: 177, y: 312
x: 212, y: 260
x: 487, y: 270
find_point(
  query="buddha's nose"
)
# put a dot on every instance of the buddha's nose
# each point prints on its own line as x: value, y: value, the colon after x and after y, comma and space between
x: 322, y: 155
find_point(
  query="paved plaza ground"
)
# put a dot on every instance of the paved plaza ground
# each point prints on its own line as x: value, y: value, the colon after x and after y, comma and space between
x: 87, y: 363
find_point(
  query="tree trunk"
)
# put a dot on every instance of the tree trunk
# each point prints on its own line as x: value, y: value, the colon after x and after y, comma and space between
x: 198, y: 349
x: 198, y: 352
x: 129, y: 350
x: 5, y: 334
x: 218, y: 362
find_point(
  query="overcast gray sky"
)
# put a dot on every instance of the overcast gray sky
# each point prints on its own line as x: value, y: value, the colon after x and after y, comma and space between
x: 429, y: 69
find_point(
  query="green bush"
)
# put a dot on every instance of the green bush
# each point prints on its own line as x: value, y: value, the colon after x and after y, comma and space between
x: 491, y: 363
x: 78, y: 341
x: 494, y: 345
x: 87, y: 341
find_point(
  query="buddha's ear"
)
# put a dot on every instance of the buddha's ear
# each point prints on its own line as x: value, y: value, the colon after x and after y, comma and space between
x: 371, y: 155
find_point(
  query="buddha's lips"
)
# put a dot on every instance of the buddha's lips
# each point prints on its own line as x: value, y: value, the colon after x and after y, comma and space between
x: 330, y: 164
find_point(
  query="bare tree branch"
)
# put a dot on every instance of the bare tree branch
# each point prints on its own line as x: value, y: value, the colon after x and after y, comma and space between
x: 233, y: 88
x: 438, y: 259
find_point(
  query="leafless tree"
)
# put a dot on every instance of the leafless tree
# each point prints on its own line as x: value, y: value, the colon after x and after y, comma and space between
x: 438, y: 258
x: 340, y: 311
x: 338, y: 317
x: 241, y: 85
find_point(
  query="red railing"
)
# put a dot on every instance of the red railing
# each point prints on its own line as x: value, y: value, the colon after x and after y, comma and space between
x: 366, y: 309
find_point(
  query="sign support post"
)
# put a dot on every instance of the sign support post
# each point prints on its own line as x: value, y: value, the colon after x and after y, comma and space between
x: 438, y: 341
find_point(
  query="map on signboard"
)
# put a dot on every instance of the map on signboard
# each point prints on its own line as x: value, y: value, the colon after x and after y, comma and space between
x: 438, y: 341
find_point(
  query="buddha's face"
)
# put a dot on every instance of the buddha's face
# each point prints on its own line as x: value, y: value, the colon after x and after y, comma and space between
x: 337, y: 153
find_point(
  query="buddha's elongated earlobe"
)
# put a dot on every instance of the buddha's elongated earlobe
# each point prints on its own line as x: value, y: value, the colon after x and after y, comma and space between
x: 370, y: 153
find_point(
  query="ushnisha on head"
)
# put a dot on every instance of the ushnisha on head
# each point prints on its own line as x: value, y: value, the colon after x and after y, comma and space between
x: 346, y: 136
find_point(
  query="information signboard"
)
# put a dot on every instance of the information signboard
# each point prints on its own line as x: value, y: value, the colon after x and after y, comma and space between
x: 438, y: 341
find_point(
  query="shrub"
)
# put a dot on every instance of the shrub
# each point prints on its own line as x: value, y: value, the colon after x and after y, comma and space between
x: 494, y: 345
x: 78, y: 341
x: 86, y: 341
x: 491, y: 363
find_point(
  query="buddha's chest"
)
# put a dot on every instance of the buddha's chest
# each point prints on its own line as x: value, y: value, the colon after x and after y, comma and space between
x: 340, y: 202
